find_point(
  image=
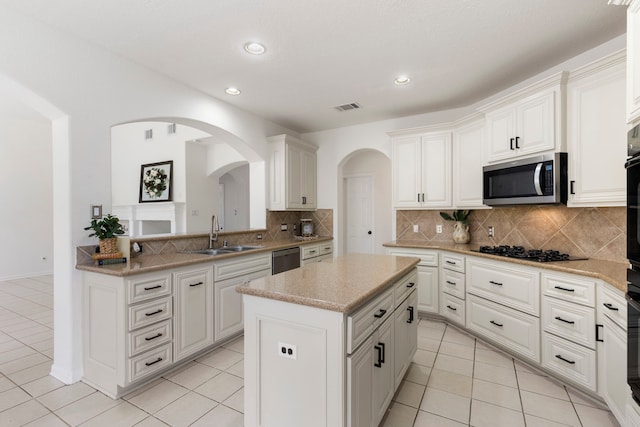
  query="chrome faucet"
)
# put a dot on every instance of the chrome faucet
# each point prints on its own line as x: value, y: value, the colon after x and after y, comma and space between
x: 213, y: 236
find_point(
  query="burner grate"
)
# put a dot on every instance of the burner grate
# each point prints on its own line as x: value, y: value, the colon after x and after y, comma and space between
x: 520, y: 252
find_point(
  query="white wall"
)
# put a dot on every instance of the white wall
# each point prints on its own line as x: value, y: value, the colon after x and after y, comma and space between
x: 236, y: 198
x: 26, y: 197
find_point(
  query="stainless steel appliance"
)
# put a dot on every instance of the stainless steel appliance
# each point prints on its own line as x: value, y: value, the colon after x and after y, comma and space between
x: 305, y: 228
x: 633, y: 254
x: 538, y: 255
x: 285, y: 259
x: 535, y: 180
x: 633, y: 332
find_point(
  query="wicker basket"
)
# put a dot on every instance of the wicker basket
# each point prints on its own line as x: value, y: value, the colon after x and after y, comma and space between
x: 109, y: 246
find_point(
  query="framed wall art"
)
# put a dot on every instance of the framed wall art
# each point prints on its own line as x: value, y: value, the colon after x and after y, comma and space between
x: 155, y: 182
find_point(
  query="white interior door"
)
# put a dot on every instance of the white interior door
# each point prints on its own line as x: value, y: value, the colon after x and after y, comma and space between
x: 359, y: 214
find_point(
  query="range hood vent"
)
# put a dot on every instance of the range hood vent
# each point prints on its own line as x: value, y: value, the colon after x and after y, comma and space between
x: 347, y: 107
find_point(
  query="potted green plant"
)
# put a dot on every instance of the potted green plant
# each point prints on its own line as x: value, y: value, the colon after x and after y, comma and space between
x: 106, y: 229
x: 461, y: 226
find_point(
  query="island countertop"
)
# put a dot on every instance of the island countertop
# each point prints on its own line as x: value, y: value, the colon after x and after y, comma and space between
x: 341, y: 284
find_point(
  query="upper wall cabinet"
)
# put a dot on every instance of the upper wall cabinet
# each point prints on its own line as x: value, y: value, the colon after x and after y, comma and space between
x: 597, y: 133
x: 633, y: 62
x: 467, y: 164
x: 292, y: 174
x: 529, y: 121
x: 421, y: 163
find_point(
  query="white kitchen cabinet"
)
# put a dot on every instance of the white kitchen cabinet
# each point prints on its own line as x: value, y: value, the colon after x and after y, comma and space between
x: 612, y: 349
x: 360, y: 385
x: 596, y: 119
x: 526, y: 122
x: 405, y: 334
x: 315, y: 253
x: 427, y: 277
x: 468, y: 145
x: 292, y: 174
x: 421, y: 170
x: 193, y: 320
x: 633, y: 62
x: 452, y: 287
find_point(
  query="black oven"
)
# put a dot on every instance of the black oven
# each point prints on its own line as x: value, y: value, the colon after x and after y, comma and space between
x: 633, y: 331
x: 633, y: 254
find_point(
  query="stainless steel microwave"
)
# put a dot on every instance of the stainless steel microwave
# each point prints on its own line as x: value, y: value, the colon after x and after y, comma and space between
x: 532, y: 181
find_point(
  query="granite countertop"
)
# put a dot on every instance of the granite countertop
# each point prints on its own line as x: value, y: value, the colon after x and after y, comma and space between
x: 614, y: 273
x: 149, y: 263
x: 342, y: 284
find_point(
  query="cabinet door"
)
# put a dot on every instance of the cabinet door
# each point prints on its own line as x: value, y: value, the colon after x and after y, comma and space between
x: 500, y: 130
x: 428, y: 289
x: 633, y: 62
x: 405, y: 335
x: 436, y: 170
x: 383, y: 378
x: 193, y: 317
x: 535, y: 130
x: 596, y: 119
x: 407, y: 172
x: 359, y: 386
x: 467, y: 157
x: 612, y: 368
x: 293, y: 180
x: 308, y: 173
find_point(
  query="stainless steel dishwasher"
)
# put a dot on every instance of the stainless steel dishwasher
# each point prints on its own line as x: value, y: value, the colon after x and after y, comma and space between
x: 285, y: 259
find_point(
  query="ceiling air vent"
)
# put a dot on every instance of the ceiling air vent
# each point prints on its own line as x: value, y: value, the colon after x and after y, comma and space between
x: 171, y: 129
x: 148, y: 134
x: 347, y: 107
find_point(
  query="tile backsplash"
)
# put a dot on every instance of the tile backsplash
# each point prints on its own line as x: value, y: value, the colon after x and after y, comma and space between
x: 585, y: 232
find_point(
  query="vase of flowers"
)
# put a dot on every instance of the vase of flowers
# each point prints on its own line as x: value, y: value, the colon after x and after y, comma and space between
x: 461, y: 227
x: 106, y: 229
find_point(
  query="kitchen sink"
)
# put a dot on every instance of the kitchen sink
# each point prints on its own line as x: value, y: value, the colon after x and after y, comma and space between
x: 207, y: 252
x: 225, y: 250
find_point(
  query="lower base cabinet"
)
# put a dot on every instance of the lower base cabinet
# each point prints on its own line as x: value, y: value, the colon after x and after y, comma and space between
x: 405, y: 335
x: 612, y: 366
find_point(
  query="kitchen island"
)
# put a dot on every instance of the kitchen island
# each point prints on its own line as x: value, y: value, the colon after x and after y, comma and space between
x: 327, y: 344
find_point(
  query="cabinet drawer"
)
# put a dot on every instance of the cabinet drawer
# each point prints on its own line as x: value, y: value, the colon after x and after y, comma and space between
x: 149, y: 337
x: 427, y: 258
x: 613, y: 304
x: 242, y: 265
x: 452, y: 308
x: 452, y: 262
x: 150, y: 362
x: 150, y: 312
x: 516, y: 287
x: 309, y: 251
x: 363, y: 322
x: 325, y: 248
x: 404, y: 286
x: 144, y: 288
x: 452, y: 283
x: 510, y: 328
x: 569, y: 288
x: 569, y: 360
x: 571, y: 321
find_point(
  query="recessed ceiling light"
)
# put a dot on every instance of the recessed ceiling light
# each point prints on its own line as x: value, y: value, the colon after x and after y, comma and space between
x: 402, y: 80
x: 232, y: 91
x: 254, y: 48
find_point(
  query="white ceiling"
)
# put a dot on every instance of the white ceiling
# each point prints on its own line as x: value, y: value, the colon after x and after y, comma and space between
x: 324, y: 53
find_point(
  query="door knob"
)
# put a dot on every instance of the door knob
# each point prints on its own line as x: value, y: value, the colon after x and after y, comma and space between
x: 369, y: 232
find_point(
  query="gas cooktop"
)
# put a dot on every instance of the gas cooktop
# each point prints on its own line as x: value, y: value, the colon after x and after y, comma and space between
x: 520, y: 252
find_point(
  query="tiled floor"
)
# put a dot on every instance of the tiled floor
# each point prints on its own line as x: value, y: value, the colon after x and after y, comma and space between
x: 455, y: 380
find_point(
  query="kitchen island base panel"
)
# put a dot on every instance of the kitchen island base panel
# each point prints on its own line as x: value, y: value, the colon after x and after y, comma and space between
x: 281, y: 390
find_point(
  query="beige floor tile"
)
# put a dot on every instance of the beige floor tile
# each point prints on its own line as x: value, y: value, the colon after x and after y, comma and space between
x: 493, y: 357
x: 13, y: 397
x: 193, y: 375
x: 236, y: 401
x: 185, y: 410
x: 523, y: 367
x: 36, y: 338
x: 593, y: 417
x: 220, y: 387
x: 580, y: 398
x: 445, y: 404
x: 457, y: 350
x: 495, y: 374
x: 496, y: 394
x: 8, y: 345
x: 49, y: 420
x: 22, y: 414
x: 23, y: 363
x: 456, y: 336
x: 487, y: 415
x: 399, y: 415
x: 424, y: 358
x: 42, y: 385
x: 409, y: 394
x: 236, y: 345
x: 432, y: 324
x: 427, y: 331
x: 24, y: 333
x: 549, y: 408
x: 427, y: 419
x: 152, y: 422
x: 5, y: 384
x: 33, y: 373
x: 122, y: 415
x: 418, y: 374
x: 63, y: 396
x: 454, y: 364
x: 158, y: 396
x: 221, y: 416
x: 86, y: 408
x: 428, y: 344
x: 42, y: 345
x: 542, y: 385
x: 533, y: 421
x: 451, y: 382
x: 237, y: 369
x: 221, y: 358
x: 16, y: 354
